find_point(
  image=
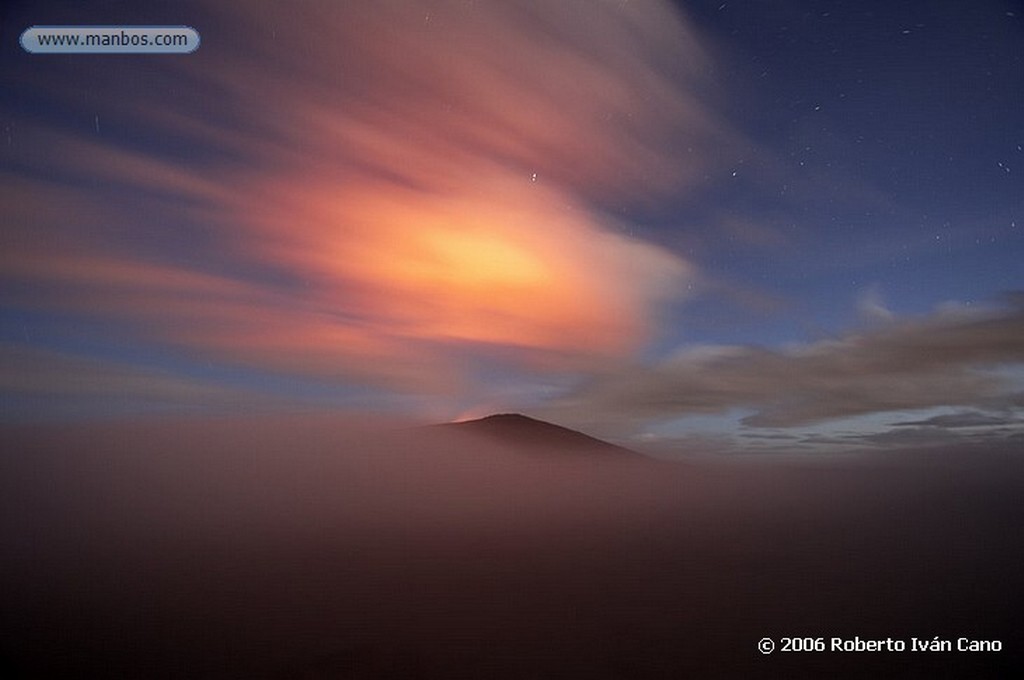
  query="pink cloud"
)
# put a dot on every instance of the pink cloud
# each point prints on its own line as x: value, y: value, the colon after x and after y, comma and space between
x: 432, y: 175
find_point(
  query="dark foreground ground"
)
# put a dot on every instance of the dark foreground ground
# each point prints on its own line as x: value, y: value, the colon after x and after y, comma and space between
x: 316, y: 551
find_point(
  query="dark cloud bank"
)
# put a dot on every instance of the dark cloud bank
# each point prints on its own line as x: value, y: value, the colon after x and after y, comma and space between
x: 299, y: 548
x: 956, y: 357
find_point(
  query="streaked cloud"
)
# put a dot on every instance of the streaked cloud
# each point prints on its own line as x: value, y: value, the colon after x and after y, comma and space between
x: 44, y: 384
x: 954, y: 357
x: 962, y: 419
x: 370, y: 213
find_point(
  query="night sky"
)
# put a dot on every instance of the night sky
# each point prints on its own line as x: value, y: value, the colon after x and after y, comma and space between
x: 709, y: 227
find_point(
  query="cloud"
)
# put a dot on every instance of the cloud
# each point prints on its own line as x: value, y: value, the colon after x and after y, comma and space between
x: 950, y: 358
x: 378, y: 189
x: 962, y: 419
x: 594, y: 98
x: 42, y: 384
x: 872, y: 307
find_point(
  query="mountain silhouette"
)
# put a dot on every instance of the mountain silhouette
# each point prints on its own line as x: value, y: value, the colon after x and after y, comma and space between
x: 529, y: 434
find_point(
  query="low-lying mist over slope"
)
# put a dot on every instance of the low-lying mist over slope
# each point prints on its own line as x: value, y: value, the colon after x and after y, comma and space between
x: 318, y: 547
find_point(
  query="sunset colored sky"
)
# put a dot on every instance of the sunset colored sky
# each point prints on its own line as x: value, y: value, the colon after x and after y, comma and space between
x: 692, y: 226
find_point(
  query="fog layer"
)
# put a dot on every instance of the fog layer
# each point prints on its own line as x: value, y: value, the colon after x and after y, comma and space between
x: 311, y: 547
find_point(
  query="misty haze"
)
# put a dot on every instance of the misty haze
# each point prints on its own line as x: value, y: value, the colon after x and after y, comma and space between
x: 308, y: 547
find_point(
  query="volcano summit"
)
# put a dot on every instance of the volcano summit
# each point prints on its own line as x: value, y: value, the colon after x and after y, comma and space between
x: 530, y: 434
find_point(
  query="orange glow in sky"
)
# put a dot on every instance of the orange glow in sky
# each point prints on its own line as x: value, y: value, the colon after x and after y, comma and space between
x: 517, y: 266
x: 388, y: 221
